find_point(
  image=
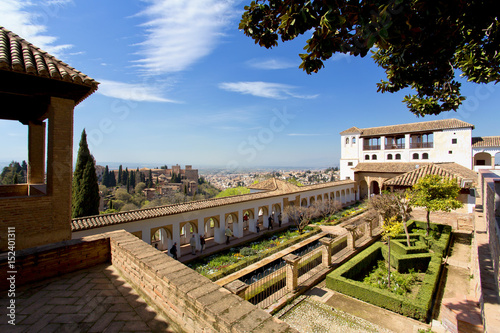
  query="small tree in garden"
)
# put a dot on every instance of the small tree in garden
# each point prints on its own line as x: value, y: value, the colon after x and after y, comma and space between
x: 395, y: 205
x: 391, y: 227
x: 295, y: 215
x: 325, y: 208
x: 435, y: 193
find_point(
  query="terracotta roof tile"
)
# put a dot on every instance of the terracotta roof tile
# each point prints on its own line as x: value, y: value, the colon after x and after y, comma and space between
x: 389, y: 167
x: 353, y: 129
x: 486, y: 141
x: 91, y: 222
x: 18, y: 55
x: 433, y: 125
x: 445, y: 170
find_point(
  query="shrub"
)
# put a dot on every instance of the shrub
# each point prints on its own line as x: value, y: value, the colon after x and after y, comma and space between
x: 347, y: 278
x: 247, y: 251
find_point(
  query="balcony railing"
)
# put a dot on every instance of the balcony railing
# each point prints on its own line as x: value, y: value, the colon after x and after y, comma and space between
x: 372, y: 147
x: 421, y: 144
x: 395, y: 146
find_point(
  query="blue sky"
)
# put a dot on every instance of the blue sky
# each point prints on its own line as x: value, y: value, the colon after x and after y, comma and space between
x: 181, y: 84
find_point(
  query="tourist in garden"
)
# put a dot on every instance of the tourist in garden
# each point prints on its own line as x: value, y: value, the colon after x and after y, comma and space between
x: 270, y: 220
x: 228, y: 234
x: 192, y: 242
x: 279, y: 220
x: 173, y: 251
x: 202, y: 243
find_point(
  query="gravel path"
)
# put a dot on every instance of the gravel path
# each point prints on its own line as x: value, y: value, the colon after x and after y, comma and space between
x: 309, y: 316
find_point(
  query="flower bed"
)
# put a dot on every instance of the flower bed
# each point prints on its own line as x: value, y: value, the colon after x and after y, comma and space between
x: 227, y: 262
x: 343, y: 215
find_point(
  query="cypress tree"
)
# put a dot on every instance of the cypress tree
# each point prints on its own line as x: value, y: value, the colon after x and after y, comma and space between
x: 85, y: 187
x: 112, y: 179
x: 105, y: 177
x: 120, y: 175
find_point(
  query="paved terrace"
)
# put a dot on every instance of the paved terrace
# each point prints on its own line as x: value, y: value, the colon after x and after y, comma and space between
x: 96, y: 299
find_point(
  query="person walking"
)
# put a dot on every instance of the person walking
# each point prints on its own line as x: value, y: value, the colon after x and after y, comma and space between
x: 173, y: 251
x: 279, y: 220
x: 270, y: 220
x: 228, y: 234
x: 202, y: 243
x: 192, y: 242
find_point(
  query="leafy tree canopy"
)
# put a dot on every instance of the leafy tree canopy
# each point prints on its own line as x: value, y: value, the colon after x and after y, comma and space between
x: 419, y: 43
x: 233, y: 191
x: 435, y: 193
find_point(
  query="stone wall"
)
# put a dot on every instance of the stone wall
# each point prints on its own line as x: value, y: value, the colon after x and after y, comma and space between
x: 190, y: 302
x: 55, y: 259
x: 187, y: 298
x: 485, y: 253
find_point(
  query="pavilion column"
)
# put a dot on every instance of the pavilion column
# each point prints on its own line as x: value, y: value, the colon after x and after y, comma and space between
x: 36, y: 153
x: 252, y: 223
x: 265, y: 221
x: 60, y: 165
x: 201, y: 231
x: 176, y: 238
x: 238, y: 227
x: 292, y: 271
x: 326, y: 251
x: 219, y: 237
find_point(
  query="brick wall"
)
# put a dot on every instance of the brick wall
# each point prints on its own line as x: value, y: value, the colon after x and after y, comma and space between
x: 46, y: 219
x: 55, y: 259
x: 189, y: 299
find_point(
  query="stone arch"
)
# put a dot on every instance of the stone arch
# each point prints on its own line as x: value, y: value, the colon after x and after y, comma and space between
x: 482, y: 158
x: 342, y: 197
x: 311, y: 201
x: 325, y: 196
x: 186, y: 229
x: 303, y: 202
x: 332, y: 196
x: 161, y: 238
x: 363, y: 189
x: 398, y: 156
x: 414, y: 156
x: 319, y: 197
x: 231, y: 220
x: 374, y: 187
x: 248, y: 217
x: 276, y: 210
x: 425, y: 156
x: 210, y: 224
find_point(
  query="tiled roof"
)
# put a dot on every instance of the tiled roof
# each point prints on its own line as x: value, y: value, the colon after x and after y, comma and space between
x: 18, y: 55
x: 434, y: 125
x: 486, y: 141
x: 90, y: 222
x: 274, y: 184
x: 445, y: 170
x: 353, y: 129
x: 389, y: 167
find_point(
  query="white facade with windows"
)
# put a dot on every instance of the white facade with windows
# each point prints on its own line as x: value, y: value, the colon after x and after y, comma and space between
x: 448, y: 140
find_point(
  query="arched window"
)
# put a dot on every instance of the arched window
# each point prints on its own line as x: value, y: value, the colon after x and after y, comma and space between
x: 367, y: 157
x: 415, y: 156
x: 353, y: 139
x: 425, y: 156
x: 398, y: 156
x: 346, y: 141
x: 374, y: 157
x: 389, y: 156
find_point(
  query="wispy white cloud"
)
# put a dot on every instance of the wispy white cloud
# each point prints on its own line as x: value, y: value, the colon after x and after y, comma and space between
x: 264, y: 89
x: 271, y: 63
x: 21, y: 17
x: 179, y: 32
x: 132, y: 92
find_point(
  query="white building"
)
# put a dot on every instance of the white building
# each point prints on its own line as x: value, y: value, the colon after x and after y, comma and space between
x: 437, y: 141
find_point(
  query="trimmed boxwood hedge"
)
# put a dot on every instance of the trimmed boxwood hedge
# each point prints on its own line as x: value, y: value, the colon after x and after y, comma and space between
x: 347, y: 279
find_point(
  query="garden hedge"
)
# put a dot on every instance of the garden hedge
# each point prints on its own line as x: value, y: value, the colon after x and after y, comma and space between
x: 347, y: 279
